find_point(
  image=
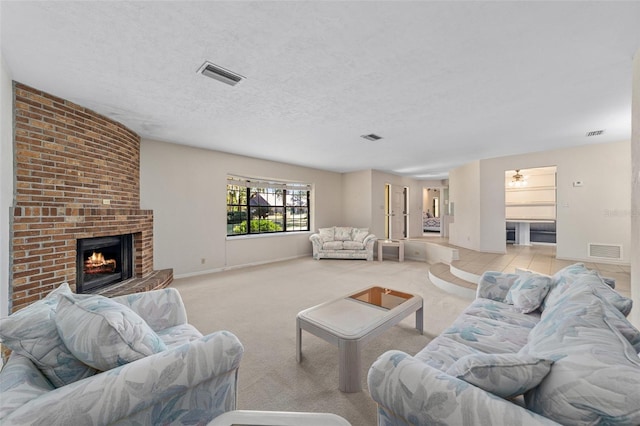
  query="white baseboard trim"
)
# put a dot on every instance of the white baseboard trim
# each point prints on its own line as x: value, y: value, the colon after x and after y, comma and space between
x: 244, y: 265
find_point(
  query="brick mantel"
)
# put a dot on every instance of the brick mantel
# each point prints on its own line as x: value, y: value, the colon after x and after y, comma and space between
x: 77, y: 176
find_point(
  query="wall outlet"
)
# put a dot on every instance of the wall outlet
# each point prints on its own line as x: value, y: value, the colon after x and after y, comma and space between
x: 106, y: 201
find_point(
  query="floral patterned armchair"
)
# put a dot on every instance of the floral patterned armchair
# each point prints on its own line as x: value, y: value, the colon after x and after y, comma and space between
x: 168, y: 372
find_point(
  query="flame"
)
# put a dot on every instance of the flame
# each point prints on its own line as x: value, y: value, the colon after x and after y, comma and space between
x: 96, y: 259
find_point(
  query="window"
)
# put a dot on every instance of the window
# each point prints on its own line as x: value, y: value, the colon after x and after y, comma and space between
x: 262, y: 207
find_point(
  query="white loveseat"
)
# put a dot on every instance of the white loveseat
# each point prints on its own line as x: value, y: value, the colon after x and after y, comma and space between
x: 164, y: 370
x: 343, y: 242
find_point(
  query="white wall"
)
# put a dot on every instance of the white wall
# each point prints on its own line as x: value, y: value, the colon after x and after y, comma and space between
x: 356, y: 199
x: 593, y: 213
x: 6, y: 181
x: 635, y: 193
x: 186, y: 189
x: 464, y: 195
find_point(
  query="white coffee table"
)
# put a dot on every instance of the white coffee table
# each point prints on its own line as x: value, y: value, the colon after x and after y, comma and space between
x: 351, y: 321
x: 277, y: 418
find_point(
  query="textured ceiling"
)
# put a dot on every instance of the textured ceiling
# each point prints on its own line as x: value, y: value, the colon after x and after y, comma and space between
x: 444, y: 83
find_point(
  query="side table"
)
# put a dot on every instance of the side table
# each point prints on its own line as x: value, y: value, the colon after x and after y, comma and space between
x: 391, y: 243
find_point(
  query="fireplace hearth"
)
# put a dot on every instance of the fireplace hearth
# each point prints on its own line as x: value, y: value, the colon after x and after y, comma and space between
x: 103, y: 261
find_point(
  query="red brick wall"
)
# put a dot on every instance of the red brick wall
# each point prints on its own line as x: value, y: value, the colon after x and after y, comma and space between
x: 68, y: 160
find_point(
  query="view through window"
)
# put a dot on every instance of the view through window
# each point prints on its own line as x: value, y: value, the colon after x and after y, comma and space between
x: 259, y: 207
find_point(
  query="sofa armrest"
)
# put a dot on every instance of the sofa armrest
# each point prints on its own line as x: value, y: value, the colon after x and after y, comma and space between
x: 161, y: 309
x: 316, y: 243
x: 411, y: 392
x: 369, y: 241
x: 495, y: 285
x: 154, y: 385
x: 20, y: 382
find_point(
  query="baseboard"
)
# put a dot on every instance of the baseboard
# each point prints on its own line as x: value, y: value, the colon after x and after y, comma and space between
x: 244, y: 265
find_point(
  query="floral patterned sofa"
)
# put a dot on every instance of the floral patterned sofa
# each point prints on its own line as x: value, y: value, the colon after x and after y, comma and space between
x: 343, y: 242
x: 530, y: 350
x: 86, y: 359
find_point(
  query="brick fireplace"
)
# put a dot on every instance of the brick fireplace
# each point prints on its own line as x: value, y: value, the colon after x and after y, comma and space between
x: 77, y: 175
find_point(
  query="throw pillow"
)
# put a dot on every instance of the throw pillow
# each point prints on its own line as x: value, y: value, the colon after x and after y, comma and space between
x: 326, y: 234
x: 505, y: 375
x: 359, y: 234
x: 528, y: 291
x: 495, y: 285
x: 31, y: 332
x: 595, y: 373
x: 111, y: 334
x: 342, y: 233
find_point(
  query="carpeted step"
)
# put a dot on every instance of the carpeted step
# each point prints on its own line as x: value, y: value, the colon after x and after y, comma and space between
x: 440, y: 275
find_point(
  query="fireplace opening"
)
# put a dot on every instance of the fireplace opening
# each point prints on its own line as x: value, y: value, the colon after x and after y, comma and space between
x: 103, y: 261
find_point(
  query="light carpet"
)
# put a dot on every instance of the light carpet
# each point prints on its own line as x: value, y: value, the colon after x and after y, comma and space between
x: 259, y: 305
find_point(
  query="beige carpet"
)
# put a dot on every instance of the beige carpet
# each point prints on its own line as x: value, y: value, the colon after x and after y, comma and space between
x: 259, y: 305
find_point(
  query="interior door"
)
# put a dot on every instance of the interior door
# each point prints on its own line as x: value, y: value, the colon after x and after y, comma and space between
x: 398, y: 212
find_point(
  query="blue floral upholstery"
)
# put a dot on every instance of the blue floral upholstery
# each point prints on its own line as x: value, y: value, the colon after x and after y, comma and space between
x: 31, y: 332
x: 111, y: 334
x: 505, y: 375
x: 596, y: 375
x: 191, y: 382
x: 528, y: 291
x: 582, y: 335
x: 342, y: 242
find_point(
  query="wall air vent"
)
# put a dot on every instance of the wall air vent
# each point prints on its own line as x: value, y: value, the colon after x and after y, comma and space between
x: 371, y: 137
x: 221, y: 74
x: 595, y: 133
x: 605, y: 251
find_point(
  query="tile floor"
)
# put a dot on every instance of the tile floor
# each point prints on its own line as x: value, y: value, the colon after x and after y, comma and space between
x: 540, y: 258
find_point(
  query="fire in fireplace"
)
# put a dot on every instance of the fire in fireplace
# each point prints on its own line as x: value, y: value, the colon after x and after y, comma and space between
x: 103, y: 261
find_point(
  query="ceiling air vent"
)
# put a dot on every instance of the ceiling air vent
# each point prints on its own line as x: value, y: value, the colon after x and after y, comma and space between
x: 371, y: 137
x: 221, y: 74
x: 595, y: 133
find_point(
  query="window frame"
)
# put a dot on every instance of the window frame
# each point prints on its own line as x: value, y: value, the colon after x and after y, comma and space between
x: 239, y: 193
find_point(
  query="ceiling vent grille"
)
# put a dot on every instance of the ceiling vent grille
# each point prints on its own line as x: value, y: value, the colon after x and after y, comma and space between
x: 221, y: 74
x: 371, y: 137
x: 605, y: 251
x: 595, y: 133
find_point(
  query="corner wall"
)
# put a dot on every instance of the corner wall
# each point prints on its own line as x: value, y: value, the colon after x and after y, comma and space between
x: 635, y: 192
x: 6, y: 182
x: 465, y: 199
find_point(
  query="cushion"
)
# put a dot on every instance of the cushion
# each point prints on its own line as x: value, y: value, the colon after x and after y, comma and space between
x: 595, y: 372
x: 495, y: 285
x: 342, y: 233
x: 332, y: 245
x: 352, y: 245
x: 528, y: 291
x: 326, y: 234
x: 584, y: 294
x: 31, y: 332
x: 359, y: 234
x: 111, y: 334
x: 623, y: 304
x: 505, y: 375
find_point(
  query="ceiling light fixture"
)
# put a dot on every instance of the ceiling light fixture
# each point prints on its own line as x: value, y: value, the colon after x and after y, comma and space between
x: 518, y: 180
x: 216, y: 72
x: 371, y: 137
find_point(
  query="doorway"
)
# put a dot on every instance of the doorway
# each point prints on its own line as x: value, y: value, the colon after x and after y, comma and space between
x: 396, y: 211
